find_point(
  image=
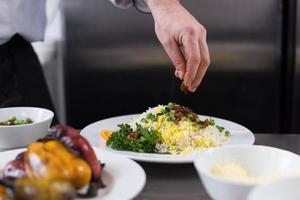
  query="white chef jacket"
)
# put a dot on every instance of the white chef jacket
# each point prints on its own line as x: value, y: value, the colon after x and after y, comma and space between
x: 28, y: 17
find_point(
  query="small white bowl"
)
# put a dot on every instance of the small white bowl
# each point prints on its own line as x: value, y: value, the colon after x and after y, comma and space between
x: 258, y: 160
x: 18, y: 136
x: 286, y: 188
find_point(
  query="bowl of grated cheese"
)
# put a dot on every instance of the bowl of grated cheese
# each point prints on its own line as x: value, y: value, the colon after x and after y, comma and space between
x: 231, y: 172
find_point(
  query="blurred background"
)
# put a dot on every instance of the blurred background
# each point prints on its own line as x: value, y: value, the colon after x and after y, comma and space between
x: 101, y: 61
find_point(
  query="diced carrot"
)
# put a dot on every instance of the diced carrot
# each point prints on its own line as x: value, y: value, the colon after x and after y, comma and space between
x: 105, y: 134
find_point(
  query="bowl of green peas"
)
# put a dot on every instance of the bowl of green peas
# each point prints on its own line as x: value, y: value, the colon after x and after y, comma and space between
x: 20, y: 126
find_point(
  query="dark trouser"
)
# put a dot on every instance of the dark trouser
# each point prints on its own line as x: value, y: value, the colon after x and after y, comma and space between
x: 22, y: 82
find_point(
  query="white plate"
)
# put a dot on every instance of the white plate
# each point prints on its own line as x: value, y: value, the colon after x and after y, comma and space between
x: 239, y: 135
x: 124, y: 178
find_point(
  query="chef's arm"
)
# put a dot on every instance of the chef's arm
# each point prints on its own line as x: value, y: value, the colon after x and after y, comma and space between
x: 182, y: 36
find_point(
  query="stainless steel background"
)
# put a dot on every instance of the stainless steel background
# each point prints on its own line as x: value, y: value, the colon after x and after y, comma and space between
x: 115, y: 65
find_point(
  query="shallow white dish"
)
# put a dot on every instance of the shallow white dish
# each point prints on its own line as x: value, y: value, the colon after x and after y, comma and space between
x: 239, y: 135
x: 258, y: 160
x: 287, y: 188
x: 21, y: 135
x: 124, y: 178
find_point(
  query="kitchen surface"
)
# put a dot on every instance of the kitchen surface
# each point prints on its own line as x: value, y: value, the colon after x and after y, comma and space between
x: 92, y: 106
x: 163, y: 180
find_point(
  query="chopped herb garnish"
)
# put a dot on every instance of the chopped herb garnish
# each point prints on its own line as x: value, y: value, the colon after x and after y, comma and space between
x: 170, y: 118
x: 227, y: 133
x: 221, y: 129
x: 144, y: 120
x: 211, y: 122
x: 171, y: 106
x: 190, y: 116
x: 139, y: 140
x: 151, y: 117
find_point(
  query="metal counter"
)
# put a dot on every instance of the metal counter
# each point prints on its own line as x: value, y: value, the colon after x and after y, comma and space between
x: 180, y: 181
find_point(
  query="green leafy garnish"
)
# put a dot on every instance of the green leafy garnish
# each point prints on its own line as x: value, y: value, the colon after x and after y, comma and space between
x: 220, y: 128
x: 151, y: 117
x: 211, y: 122
x: 227, y: 133
x: 171, y: 106
x: 139, y: 140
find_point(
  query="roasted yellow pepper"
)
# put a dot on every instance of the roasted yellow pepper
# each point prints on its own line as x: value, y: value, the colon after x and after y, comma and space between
x: 53, y: 161
x: 42, y: 189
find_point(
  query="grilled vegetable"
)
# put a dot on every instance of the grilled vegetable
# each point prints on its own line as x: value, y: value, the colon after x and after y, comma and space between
x: 72, y: 139
x: 42, y: 189
x: 53, y: 161
x: 15, y: 168
x: 64, y: 155
x: 37, y: 189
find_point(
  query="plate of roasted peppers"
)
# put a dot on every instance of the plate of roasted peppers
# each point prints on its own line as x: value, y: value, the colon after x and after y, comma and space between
x: 64, y: 166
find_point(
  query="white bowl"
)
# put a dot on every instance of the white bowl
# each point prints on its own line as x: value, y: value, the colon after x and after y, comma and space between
x: 286, y: 188
x: 18, y: 136
x: 258, y: 160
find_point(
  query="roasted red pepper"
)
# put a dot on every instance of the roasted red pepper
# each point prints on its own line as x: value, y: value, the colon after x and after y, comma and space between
x: 15, y: 168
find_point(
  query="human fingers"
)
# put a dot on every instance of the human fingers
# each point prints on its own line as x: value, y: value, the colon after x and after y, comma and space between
x: 193, y: 60
x: 205, y: 61
x: 174, y: 53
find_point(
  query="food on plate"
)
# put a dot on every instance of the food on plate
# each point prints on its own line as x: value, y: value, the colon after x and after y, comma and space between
x: 37, y: 189
x: 166, y: 129
x: 15, y: 121
x: 237, y: 172
x: 61, y: 158
x: 58, y: 163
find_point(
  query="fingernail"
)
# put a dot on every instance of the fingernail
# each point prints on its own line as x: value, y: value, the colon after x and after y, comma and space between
x: 176, y: 73
x: 180, y: 75
x: 187, y: 84
x: 193, y: 89
x: 195, y: 85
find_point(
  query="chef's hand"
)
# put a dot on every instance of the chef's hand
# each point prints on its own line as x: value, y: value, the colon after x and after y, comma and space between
x: 175, y: 27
